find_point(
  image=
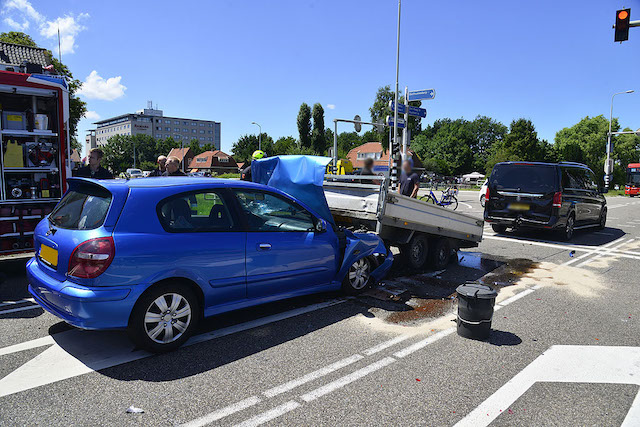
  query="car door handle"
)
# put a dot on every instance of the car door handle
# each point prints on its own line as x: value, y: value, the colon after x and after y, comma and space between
x: 264, y: 246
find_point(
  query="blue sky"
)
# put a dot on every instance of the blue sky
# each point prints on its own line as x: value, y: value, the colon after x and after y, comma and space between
x: 238, y: 61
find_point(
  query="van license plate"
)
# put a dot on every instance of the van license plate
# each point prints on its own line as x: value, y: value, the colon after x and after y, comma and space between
x: 519, y: 207
x: 49, y: 255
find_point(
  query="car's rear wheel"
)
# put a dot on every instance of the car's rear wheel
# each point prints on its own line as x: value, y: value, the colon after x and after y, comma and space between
x: 567, y: 231
x: 164, y: 317
x: 357, y: 277
x: 603, y: 219
x: 499, y: 228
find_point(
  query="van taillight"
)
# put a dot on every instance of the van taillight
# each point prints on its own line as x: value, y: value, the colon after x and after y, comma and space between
x: 91, y: 258
x: 557, y: 200
x: 486, y: 196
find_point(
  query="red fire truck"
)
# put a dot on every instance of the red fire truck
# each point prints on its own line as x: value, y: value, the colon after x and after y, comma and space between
x: 34, y: 159
x: 633, y: 180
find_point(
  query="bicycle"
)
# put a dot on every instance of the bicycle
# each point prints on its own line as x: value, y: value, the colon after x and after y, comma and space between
x: 448, y: 199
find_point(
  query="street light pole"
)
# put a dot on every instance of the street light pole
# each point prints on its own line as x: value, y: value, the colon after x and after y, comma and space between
x: 608, y: 166
x: 259, y: 136
x: 395, y: 103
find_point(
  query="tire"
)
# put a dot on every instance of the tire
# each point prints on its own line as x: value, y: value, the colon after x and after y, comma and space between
x: 428, y: 199
x: 499, y: 228
x: 416, y: 252
x: 453, y: 203
x: 440, y: 253
x: 357, y: 277
x: 482, y: 200
x: 603, y: 220
x: 158, y: 335
x: 567, y: 231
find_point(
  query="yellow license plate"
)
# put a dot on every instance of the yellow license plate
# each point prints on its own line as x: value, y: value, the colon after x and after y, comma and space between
x: 519, y: 207
x: 49, y: 255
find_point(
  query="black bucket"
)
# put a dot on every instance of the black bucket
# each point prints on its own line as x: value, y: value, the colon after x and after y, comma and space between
x: 475, y: 310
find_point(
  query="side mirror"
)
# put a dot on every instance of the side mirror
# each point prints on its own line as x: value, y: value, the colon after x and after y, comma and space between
x: 320, y: 226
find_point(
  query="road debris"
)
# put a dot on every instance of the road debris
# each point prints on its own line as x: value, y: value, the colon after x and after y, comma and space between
x: 133, y: 410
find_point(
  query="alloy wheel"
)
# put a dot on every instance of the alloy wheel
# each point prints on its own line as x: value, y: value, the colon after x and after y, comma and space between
x: 359, y: 274
x: 167, y: 318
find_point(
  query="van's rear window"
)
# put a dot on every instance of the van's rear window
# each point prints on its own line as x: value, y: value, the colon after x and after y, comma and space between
x: 523, y: 178
x: 83, y: 208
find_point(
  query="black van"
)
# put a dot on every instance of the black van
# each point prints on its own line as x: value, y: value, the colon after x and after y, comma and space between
x: 551, y: 196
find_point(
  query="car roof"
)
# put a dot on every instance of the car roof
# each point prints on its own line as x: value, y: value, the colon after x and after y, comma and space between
x: 575, y: 164
x: 169, y: 181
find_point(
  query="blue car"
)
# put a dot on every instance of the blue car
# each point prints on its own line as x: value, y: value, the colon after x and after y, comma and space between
x: 156, y: 255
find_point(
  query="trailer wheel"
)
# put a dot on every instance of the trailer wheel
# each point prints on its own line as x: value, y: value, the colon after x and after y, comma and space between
x: 416, y: 251
x: 440, y: 253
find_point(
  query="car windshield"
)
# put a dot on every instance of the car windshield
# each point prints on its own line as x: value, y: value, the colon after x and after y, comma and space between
x: 83, y: 208
x: 537, y: 179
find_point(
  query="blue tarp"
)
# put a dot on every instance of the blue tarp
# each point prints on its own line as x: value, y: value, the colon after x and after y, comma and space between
x: 298, y: 176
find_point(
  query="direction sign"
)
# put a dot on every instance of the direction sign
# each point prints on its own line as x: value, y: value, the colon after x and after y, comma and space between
x: 417, y: 95
x: 413, y: 111
x: 390, y: 122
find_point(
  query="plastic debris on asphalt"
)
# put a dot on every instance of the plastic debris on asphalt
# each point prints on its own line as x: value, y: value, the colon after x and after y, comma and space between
x: 572, y: 253
x: 133, y: 410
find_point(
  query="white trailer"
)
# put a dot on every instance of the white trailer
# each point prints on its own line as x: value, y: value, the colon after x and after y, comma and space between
x: 423, y: 232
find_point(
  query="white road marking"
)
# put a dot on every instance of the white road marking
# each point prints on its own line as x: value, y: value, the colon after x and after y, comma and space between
x: 312, y: 375
x: 270, y: 415
x: 565, y: 364
x: 425, y: 342
x: 15, y: 310
x: 28, y: 345
x: 603, y: 247
x: 341, y: 382
x: 386, y: 344
x: 78, y: 352
x: 224, y: 412
x: 516, y: 297
x: 582, y: 264
x: 4, y: 303
x: 466, y: 204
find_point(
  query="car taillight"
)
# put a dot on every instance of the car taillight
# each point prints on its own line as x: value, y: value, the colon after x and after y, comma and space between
x: 557, y: 200
x: 91, y: 258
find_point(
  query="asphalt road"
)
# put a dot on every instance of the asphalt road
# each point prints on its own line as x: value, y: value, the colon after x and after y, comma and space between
x: 564, y: 350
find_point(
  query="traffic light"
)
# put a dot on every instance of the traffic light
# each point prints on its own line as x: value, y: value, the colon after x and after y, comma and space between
x: 623, y: 17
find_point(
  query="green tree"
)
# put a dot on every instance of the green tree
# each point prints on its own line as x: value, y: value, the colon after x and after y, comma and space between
x: 195, y: 147
x: 347, y: 141
x: 245, y: 146
x: 446, y: 146
x: 626, y: 150
x: 207, y: 147
x: 119, y: 151
x: 521, y: 143
x: 380, y: 109
x: 284, y: 144
x: 318, y: 142
x: 304, y: 125
x: 486, y: 133
x: 77, y: 107
x: 585, y: 142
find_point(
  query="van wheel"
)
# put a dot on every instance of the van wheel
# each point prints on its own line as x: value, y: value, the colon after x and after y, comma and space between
x: 416, y: 251
x: 357, y: 277
x: 164, y: 318
x: 603, y: 220
x: 482, y: 200
x: 440, y: 253
x: 567, y: 232
x: 499, y: 228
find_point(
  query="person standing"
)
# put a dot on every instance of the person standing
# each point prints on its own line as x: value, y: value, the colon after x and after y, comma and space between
x: 172, y: 166
x: 161, y: 166
x: 409, y: 181
x: 245, y: 174
x: 93, y: 169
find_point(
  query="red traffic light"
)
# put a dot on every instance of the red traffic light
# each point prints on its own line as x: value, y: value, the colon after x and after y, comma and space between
x: 622, y: 25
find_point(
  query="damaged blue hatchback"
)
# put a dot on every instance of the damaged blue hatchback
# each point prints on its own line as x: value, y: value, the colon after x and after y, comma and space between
x: 156, y: 255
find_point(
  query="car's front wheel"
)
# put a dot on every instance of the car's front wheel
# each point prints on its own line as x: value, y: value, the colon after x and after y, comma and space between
x: 164, y: 318
x: 357, y: 277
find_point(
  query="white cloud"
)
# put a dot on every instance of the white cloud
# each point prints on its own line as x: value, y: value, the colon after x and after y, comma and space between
x: 24, y: 7
x: 96, y: 87
x: 331, y: 106
x: 16, y: 25
x: 91, y: 115
x: 69, y: 27
x: 20, y: 14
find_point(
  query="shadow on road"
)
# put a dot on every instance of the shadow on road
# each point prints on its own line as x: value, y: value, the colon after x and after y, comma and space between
x: 584, y: 237
x: 502, y: 338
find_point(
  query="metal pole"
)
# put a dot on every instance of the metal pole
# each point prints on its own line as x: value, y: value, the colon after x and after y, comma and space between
x: 607, y: 166
x: 134, y: 154
x: 259, y: 135
x: 182, y: 151
x: 335, y: 145
x: 405, y: 132
x: 395, y: 97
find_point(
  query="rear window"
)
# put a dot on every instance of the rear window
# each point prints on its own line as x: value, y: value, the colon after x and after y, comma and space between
x: 537, y: 179
x: 83, y: 208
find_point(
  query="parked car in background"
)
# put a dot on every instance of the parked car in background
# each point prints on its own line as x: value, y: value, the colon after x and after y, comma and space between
x: 559, y: 197
x: 483, y: 192
x: 134, y: 173
x: 155, y: 256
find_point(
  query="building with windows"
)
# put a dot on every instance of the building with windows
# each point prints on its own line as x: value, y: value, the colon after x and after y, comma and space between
x: 152, y: 122
x: 373, y: 150
x: 214, y: 162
